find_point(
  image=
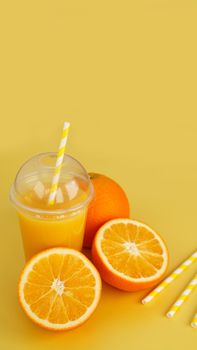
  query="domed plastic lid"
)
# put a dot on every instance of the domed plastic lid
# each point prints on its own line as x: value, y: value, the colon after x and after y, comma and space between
x: 32, y: 184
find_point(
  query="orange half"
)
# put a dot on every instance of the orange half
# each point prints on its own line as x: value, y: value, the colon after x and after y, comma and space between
x: 129, y: 255
x: 59, y: 289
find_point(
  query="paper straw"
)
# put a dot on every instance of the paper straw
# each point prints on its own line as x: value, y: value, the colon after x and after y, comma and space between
x: 168, y: 280
x: 194, y: 321
x: 59, y: 162
x: 182, y: 298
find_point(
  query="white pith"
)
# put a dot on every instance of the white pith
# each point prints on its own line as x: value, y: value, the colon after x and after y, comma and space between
x: 57, y: 285
x: 132, y: 248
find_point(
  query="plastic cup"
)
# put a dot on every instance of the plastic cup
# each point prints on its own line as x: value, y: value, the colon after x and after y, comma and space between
x: 44, y: 226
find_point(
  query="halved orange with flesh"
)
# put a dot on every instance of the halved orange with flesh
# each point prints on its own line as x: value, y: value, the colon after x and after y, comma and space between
x: 129, y: 255
x: 59, y: 289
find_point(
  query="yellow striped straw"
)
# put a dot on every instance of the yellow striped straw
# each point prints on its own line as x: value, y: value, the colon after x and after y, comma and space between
x: 194, y: 321
x: 59, y: 162
x: 182, y: 298
x: 168, y: 280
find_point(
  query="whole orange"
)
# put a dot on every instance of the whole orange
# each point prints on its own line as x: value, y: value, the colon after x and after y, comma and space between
x: 109, y: 202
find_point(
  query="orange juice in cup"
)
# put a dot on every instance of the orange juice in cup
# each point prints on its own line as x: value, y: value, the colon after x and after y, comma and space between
x: 61, y: 224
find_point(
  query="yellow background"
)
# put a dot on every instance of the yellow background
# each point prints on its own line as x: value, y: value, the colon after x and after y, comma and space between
x: 124, y: 74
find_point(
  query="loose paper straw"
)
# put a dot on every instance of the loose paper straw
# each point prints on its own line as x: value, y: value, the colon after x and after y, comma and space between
x: 182, y: 298
x: 170, y: 278
x: 58, y: 165
x: 194, y: 321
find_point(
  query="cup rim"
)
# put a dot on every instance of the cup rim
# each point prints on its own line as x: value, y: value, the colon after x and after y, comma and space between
x: 19, y: 205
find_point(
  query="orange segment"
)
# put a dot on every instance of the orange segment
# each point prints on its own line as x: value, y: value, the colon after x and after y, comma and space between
x: 59, y: 288
x: 129, y: 254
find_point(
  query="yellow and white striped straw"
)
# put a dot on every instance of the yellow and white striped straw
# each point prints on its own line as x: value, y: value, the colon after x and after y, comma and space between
x: 194, y: 321
x: 182, y: 298
x: 58, y: 165
x: 168, y: 280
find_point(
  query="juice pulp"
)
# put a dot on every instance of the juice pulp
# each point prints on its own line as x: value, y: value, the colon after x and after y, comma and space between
x: 42, y: 231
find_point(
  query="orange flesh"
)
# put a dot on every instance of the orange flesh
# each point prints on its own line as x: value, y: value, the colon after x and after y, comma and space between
x: 66, y: 302
x: 133, y: 250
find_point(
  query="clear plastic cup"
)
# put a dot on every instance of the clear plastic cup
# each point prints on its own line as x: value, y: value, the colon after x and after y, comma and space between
x: 62, y: 224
